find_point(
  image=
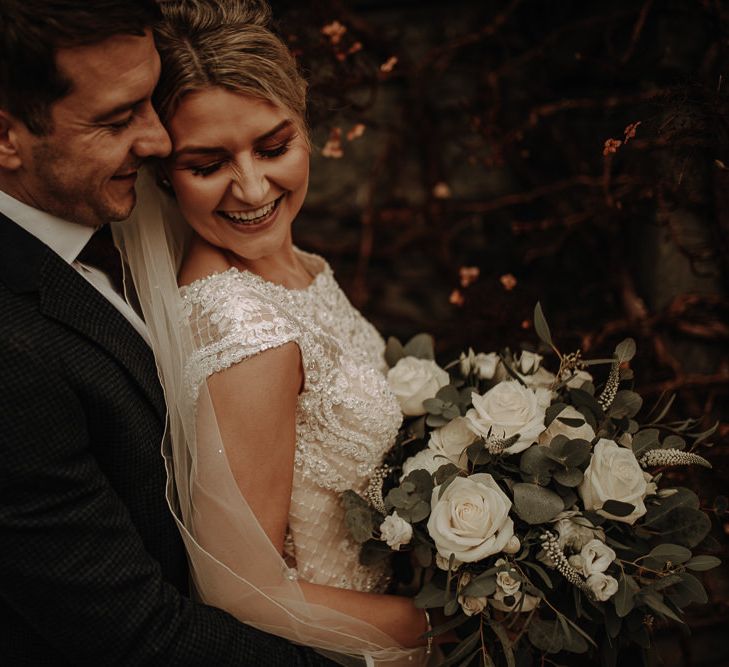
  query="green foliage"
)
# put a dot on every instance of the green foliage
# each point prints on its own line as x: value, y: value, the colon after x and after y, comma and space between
x: 411, y: 499
x: 535, y: 504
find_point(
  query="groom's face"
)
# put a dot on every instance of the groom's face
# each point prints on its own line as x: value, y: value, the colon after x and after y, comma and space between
x: 85, y: 169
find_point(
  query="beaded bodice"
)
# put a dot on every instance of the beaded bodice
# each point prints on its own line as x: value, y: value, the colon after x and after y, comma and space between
x: 346, y: 416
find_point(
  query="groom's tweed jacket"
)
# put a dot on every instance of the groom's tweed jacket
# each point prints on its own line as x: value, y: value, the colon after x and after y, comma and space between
x: 92, y: 568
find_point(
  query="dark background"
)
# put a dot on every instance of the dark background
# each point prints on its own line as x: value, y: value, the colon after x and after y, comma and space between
x: 484, y: 146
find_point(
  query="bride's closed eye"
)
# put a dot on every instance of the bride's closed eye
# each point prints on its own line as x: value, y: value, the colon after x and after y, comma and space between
x: 267, y: 153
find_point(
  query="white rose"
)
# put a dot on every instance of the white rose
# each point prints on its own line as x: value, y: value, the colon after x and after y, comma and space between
x: 541, y: 380
x: 415, y: 380
x: 505, y: 581
x: 451, y: 441
x: 530, y: 601
x: 395, y: 531
x: 529, y: 362
x: 578, y: 378
x: 513, y: 545
x: 470, y: 605
x: 594, y: 558
x: 471, y: 518
x: 505, y: 410
x: 557, y: 427
x: 427, y: 459
x: 575, y: 531
x: 614, y: 474
x: 603, y: 586
x: 486, y: 365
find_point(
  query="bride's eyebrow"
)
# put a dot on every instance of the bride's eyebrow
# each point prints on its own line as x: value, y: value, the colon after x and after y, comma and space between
x: 208, y: 150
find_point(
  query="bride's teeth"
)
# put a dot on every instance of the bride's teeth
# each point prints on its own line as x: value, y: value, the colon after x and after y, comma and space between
x: 248, y: 216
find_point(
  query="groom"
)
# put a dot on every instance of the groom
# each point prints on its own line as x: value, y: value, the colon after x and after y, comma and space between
x: 92, y: 568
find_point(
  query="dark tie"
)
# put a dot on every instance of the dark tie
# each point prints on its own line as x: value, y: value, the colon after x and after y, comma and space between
x: 101, y: 253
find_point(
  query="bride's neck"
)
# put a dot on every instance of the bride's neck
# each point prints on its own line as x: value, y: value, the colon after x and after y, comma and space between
x: 283, y: 268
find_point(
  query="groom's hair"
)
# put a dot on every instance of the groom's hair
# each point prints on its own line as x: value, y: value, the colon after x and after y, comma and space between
x: 31, y: 31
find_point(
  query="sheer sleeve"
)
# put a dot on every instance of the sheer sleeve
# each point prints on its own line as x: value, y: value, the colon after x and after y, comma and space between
x: 230, y: 321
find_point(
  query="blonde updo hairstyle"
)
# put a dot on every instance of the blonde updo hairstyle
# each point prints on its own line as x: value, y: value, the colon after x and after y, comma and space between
x: 226, y: 44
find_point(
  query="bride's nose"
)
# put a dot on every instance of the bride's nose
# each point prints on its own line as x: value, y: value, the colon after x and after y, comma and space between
x: 249, y: 183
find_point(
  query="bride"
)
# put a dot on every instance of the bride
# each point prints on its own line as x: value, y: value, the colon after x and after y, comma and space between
x: 274, y: 382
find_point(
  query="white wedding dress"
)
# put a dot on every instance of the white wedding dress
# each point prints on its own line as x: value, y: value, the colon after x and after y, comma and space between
x: 346, y: 417
x: 346, y: 420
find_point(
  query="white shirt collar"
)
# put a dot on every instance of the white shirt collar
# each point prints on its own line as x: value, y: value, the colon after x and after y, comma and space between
x: 66, y: 239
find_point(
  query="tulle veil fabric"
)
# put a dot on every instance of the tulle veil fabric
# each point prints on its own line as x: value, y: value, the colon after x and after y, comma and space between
x: 233, y: 564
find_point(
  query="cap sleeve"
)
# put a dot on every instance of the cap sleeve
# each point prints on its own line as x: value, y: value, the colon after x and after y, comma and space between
x: 230, y: 321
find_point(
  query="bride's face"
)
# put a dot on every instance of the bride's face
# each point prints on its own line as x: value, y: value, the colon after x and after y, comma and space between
x: 240, y: 170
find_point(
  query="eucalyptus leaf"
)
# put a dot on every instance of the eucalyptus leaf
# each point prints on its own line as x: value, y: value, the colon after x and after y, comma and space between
x: 552, y: 411
x: 570, y: 477
x: 675, y: 553
x: 685, y: 526
x: 374, y: 552
x: 623, y: 600
x: 702, y: 563
x: 541, y: 326
x: 571, y: 421
x: 625, y: 350
x: 435, y: 421
x: 451, y: 607
x: 577, y: 452
x: 674, y: 442
x: 448, y: 394
x: 572, y: 642
x: 446, y: 472
x: 506, y: 645
x: 430, y: 596
x: 394, y: 351
x: 421, y: 346
x: 433, y: 405
x: 693, y: 588
x: 618, y: 508
x: 659, y: 515
x: 420, y: 511
x: 582, y: 399
x: 535, y: 460
x: 478, y: 454
x: 481, y: 586
x: 535, y: 504
x: 626, y: 404
x: 540, y: 571
x: 645, y: 440
x: 655, y: 602
x: 547, y: 636
x: 360, y: 524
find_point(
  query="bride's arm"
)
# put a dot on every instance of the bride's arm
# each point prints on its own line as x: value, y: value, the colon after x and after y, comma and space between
x: 255, y: 406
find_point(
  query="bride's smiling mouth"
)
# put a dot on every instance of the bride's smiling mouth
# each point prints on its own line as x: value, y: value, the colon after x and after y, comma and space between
x: 253, y: 218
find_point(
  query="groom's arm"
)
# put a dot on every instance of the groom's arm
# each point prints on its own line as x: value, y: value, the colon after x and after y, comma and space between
x: 72, y: 564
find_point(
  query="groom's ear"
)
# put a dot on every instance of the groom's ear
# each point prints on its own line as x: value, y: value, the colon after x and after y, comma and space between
x: 9, y: 153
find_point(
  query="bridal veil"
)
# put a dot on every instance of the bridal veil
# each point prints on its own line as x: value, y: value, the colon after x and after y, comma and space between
x: 233, y: 563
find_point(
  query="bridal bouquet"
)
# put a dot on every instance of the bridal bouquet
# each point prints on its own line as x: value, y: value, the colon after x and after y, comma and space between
x: 530, y: 503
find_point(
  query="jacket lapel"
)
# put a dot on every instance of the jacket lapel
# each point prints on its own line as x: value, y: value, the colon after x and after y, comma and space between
x: 27, y: 265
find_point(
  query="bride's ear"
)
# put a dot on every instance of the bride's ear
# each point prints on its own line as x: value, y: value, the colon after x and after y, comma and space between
x: 163, y: 180
x: 10, y: 158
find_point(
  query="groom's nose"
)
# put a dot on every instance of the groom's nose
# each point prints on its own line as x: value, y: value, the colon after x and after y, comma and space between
x: 152, y: 140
